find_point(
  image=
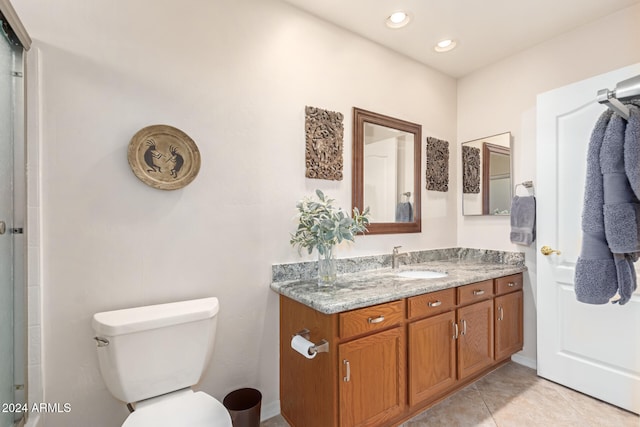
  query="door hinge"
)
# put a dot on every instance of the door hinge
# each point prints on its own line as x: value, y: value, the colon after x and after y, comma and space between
x: 17, y: 74
x: 16, y: 230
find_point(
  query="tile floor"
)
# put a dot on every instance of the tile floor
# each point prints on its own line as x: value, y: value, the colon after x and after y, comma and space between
x: 514, y: 396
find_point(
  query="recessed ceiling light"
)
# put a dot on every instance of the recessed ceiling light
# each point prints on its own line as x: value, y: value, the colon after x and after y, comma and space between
x: 445, y: 45
x: 398, y: 19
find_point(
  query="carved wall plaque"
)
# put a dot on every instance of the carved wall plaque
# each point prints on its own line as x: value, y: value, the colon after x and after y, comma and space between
x: 324, y: 133
x: 470, y: 170
x: 437, y: 171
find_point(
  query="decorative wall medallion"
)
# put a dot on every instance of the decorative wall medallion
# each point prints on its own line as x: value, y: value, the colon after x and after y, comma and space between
x: 470, y: 169
x: 437, y: 171
x: 324, y: 132
x: 164, y: 157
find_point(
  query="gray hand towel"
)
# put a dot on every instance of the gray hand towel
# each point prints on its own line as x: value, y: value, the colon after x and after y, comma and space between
x: 404, y: 212
x: 523, y: 220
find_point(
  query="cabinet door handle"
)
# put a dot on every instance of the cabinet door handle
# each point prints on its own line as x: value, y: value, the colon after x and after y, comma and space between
x: 435, y: 304
x: 500, y: 313
x: 511, y: 284
x: 478, y: 292
x: 464, y: 327
x: 455, y: 330
x: 375, y: 320
x: 348, y: 366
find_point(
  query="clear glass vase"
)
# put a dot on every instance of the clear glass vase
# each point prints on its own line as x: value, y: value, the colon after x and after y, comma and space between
x: 326, y: 266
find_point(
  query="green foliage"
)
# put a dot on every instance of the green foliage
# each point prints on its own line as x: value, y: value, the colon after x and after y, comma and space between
x: 322, y: 225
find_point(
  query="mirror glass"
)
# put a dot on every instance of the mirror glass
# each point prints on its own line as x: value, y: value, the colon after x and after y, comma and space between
x: 486, y: 175
x: 386, y: 171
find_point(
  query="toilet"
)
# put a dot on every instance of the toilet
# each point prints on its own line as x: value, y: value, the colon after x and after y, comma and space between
x: 151, y: 356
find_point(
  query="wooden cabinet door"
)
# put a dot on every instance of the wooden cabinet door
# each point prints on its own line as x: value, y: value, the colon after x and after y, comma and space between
x: 475, y: 341
x: 372, y: 383
x: 508, y: 321
x: 432, y: 356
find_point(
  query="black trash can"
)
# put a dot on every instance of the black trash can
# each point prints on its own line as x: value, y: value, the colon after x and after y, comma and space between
x: 244, y: 407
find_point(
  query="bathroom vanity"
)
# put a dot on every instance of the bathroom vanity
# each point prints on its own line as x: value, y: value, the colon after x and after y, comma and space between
x: 396, y: 345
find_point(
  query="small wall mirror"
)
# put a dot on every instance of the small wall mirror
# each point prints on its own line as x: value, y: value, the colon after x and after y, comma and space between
x: 486, y: 175
x: 386, y: 171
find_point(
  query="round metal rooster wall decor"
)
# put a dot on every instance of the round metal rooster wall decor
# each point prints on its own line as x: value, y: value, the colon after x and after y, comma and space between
x: 164, y: 157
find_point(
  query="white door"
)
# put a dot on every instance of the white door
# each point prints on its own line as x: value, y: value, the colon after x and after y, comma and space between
x: 594, y: 349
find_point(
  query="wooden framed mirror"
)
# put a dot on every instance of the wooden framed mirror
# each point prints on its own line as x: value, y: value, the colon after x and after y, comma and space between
x: 386, y: 171
x: 486, y: 175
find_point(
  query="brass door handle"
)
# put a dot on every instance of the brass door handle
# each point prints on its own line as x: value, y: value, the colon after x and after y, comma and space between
x: 546, y: 250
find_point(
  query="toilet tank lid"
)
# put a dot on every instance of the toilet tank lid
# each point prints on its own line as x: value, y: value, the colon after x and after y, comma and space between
x: 130, y: 320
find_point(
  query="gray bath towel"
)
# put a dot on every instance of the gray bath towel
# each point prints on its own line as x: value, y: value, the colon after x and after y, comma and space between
x: 523, y: 220
x: 632, y: 150
x: 620, y: 203
x: 610, y: 217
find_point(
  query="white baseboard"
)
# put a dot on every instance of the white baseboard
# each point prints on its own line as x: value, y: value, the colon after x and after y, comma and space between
x: 269, y: 410
x: 521, y: 360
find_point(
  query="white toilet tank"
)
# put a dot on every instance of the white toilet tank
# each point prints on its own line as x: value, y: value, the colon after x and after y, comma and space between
x: 148, y: 351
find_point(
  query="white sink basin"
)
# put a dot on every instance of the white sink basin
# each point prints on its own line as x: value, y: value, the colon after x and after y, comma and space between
x: 421, y: 274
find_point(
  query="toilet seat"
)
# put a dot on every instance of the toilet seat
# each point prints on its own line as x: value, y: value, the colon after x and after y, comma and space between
x: 180, y: 408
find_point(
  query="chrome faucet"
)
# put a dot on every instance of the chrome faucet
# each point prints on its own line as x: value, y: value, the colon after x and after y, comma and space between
x: 395, y: 256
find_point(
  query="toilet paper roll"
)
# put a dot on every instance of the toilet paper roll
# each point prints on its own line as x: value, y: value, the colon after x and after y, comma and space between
x: 302, y: 346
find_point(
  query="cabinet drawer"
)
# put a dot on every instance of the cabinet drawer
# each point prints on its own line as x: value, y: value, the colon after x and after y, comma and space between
x: 475, y: 292
x: 369, y: 319
x: 508, y: 284
x: 432, y: 303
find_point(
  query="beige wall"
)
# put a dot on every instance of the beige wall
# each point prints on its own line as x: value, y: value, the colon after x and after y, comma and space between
x: 235, y: 75
x: 502, y: 97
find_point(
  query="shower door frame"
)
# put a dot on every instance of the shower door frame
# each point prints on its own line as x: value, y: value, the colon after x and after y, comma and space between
x: 13, y: 280
x: 18, y: 192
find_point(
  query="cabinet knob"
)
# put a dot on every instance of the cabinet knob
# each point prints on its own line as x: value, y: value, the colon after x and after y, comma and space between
x: 500, y: 313
x: 375, y: 320
x: 455, y: 330
x: 478, y: 292
x: 347, y: 378
x: 435, y: 303
x: 511, y: 284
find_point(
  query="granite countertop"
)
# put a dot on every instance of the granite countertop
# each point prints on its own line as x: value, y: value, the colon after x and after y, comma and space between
x: 367, y: 288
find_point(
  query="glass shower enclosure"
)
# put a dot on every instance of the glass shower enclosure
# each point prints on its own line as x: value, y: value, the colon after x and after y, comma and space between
x: 12, y: 244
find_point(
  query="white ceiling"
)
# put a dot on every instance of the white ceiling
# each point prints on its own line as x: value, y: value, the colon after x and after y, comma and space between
x: 486, y: 30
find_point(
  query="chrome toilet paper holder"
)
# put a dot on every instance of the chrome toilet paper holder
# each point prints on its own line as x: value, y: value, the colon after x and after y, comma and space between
x: 321, y: 347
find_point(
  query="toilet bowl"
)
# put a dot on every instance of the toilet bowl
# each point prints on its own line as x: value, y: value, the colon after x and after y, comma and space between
x: 151, y: 356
